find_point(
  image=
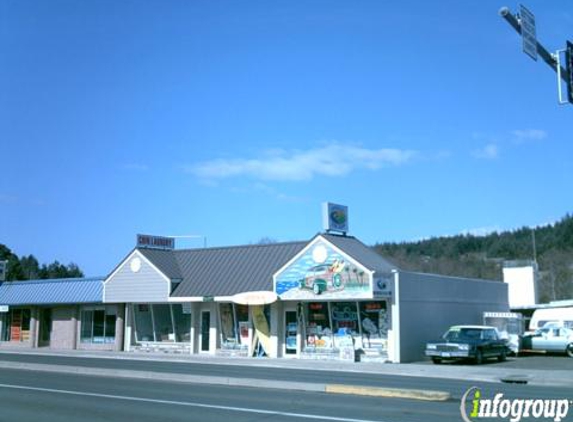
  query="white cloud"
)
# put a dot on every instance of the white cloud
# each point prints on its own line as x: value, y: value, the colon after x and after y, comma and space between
x: 278, y: 165
x: 489, y: 152
x: 521, y: 136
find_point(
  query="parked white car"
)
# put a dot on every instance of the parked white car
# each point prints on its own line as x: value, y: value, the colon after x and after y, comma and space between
x: 551, y: 338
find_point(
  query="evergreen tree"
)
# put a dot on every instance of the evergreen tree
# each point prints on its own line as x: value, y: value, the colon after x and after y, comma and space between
x: 483, y: 256
x: 28, y: 267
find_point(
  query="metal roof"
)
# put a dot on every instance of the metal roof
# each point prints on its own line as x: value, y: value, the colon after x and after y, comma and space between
x: 231, y: 270
x: 361, y: 253
x: 52, y: 291
x: 164, y: 260
x: 226, y: 271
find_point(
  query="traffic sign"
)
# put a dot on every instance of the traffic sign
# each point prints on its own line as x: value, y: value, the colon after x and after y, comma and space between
x: 569, y: 70
x: 528, y: 35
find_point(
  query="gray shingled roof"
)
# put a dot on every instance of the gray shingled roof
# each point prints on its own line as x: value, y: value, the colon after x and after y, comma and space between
x: 366, y: 255
x: 230, y: 270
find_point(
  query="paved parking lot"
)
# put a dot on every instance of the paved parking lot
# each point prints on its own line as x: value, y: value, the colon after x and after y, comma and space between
x: 524, y: 361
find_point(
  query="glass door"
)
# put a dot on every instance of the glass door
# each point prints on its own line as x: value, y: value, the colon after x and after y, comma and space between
x: 45, y: 327
x: 291, y: 331
x: 205, y: 330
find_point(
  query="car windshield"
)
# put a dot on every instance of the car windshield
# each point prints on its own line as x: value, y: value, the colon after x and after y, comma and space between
x: 463, y: 334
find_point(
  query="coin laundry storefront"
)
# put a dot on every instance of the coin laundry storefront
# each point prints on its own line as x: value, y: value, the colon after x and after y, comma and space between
x: 212, y: 300
x: 329, y: 298
x: 297, y: 299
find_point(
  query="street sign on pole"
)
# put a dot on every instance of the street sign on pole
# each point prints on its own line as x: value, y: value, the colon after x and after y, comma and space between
x: 528, y: 35
x: 569, y: 70
x: 524, y: 23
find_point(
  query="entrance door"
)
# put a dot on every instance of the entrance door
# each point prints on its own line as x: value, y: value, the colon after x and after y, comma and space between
x: 45, y: 327
x: 205, y: 330
x: 291, y: 331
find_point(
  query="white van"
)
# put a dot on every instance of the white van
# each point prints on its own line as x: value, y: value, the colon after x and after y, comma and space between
x: 560, y: 316
x: 510, y: 327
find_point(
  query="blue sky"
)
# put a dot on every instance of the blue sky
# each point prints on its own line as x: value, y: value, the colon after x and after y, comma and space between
x: 235, y: 120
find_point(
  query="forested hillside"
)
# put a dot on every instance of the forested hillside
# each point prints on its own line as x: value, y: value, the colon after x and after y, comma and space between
x: 483, y: 256
x: 28, y: 267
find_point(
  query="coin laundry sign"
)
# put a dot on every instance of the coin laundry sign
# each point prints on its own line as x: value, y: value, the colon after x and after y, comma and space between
x: 155, y: 242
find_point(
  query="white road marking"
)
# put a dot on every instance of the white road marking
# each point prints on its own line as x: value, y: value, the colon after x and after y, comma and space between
x: 188, y: 404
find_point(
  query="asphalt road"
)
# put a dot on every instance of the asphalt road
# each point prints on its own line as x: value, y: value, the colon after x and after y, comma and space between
x: 27, y: 395
x: 456, y: 387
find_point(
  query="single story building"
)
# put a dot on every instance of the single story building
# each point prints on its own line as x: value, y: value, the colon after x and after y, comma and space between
x: 59, y: 314
x: 330, y: 298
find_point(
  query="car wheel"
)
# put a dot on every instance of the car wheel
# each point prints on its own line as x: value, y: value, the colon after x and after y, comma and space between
x: 437, y: 361
x: 569, y: 350
x: 479, y: 357
x: 502, y: 356
x: 316, y: 288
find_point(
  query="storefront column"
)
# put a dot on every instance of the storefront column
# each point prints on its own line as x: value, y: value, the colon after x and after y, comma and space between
x: 251, y: 334
x: 394, y: 332
x: 276, y: 309
x: 128, y: 330
x: 75, y: 322
x: 192, y: 331
x: 195, y: 327
x: 34, y: 327
x: 213, y: 331
x: 120, y: 323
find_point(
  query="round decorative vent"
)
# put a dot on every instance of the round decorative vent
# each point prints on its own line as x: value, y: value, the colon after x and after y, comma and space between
x: 319, y: 254
x: 135, y: 264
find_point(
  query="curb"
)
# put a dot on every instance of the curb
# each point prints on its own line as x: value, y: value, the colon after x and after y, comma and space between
x: 397, y: 393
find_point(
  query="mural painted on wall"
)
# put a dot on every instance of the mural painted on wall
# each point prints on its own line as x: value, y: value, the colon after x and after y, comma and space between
x: 321, y: 272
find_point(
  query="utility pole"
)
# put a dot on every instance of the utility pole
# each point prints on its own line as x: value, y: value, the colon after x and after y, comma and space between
x: 524, y: 24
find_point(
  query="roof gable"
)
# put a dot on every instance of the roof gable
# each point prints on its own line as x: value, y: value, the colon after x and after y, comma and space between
x: 164, y: 260
x: 367, y: 256
x: 323, y: 270
x: 138, y: 279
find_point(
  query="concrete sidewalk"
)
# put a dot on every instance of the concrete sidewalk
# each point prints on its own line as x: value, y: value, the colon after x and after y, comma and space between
x: 492, y: 372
